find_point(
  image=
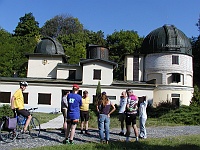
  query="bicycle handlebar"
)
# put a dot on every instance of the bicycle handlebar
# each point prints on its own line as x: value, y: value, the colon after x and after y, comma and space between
x: 32, y: 108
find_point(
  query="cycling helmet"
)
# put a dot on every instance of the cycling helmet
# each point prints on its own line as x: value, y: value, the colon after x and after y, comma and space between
x: 23, y: 83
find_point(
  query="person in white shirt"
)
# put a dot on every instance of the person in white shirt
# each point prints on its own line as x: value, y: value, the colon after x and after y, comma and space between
x: 122, y: 116
x: 143, y: 117
x: 64, y: 106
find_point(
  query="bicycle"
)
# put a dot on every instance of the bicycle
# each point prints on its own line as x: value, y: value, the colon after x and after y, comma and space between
x: 8, y: 135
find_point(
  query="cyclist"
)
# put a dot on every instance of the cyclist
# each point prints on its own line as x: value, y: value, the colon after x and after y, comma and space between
x: 17, y: 104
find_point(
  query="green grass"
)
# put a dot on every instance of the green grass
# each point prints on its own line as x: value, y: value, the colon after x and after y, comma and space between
x: 45, y: 117
x: 151, y: 122
x: 191, y: 142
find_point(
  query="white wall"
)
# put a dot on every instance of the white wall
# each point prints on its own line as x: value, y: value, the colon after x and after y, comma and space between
x: 129, y: 65
x: 56, y: 93
x: 162, y: 63
x: 63, y: 72
x: 106, y: 73
x: 37, y: 69
x: 163, y: 94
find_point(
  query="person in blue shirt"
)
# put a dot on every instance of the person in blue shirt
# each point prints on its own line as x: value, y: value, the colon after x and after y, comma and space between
x: 73, y: 113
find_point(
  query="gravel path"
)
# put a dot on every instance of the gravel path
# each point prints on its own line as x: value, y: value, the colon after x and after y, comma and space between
x: 54, y: 137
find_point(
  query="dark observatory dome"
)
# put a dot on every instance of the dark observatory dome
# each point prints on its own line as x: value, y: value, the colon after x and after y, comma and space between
x: 49, y: 46
x: 166, y: 39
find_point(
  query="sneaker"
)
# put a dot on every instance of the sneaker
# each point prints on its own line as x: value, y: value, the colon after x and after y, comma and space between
x: 71, y: 143
x: 25, y: 132
x: 127, y: 139
x: 87, y: 133
x: 65, y: 141
x: 121, y: 133
x: 137, y: 139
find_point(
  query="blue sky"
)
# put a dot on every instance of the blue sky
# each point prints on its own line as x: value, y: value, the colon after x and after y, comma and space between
x: 142, y: 16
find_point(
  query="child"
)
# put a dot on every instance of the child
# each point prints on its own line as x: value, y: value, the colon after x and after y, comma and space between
x: 143, y: 117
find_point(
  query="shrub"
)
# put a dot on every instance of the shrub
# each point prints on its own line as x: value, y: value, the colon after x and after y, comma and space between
x: 5, y: 110
x: 161, y: 109
x: 187, y: 115
x: 196, y: 97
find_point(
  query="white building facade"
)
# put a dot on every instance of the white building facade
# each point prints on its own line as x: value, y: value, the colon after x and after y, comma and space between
x: 163, y: 71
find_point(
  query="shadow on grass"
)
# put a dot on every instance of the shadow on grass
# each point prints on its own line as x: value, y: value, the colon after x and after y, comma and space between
x: 119, y: 145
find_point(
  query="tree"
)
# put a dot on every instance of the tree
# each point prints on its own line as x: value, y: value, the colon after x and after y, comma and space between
x: 98, y: 93
x: 27, y: 26
x: 61, y: 25
x: 196, y: 53
x: 74, y: 46
x: 7, y: 46
x: 196, y: 97
x: 196, y: 63
x: 96, y: 38
x: 26, y: 36
x: 121, y: 43
x: 14, y: 47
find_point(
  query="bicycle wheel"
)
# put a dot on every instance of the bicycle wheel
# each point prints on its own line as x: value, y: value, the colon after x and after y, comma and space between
x: 34, y: 127
x: 7, y: 135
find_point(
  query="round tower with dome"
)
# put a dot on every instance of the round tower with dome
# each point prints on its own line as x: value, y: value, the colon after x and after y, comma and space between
x: 166, y: 60
x: 47, y: 55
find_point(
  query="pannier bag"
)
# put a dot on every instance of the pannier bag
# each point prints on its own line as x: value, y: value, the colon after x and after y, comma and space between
x: 11, y: 123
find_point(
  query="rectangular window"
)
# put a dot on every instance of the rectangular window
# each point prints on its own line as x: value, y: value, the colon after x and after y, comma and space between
x: 175, y: 99
x: 95, y: 98
x: 72, y: 74
x: 176, y: 77
x: 112, y: 97
x: 175, y: 95
x: 5, y: 97
x: 44, y: 98
x: 125, y: 71
x: 176, y: 102
x: 175, y: 59
x: 97, y: 74
x: 25, y: 98
x: 136, y: 68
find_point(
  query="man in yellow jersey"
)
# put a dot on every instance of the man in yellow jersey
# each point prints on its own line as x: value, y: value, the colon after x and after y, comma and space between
x: 84, y: 112
x: 17, y: 103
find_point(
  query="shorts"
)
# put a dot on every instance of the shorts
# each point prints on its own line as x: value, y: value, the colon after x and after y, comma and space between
x: 122, y: 117
x: 23, y: 112
x: 72, y: 121
x: 130, y: 119
x: 64, y: 112
x: 84, y: 115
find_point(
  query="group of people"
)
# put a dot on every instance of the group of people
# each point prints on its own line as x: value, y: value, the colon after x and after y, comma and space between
x: 129, y: 105
x: 73, y: 107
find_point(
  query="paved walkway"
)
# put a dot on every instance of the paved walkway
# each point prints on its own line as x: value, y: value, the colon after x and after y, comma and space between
x: 54, y: 137
x: 55, y: 123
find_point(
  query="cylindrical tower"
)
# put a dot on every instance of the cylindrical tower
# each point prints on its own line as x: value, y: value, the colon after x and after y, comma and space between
x: 168, y: 60
x: 97, y: 52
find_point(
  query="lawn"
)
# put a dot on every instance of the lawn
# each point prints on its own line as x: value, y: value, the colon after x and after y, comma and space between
x: 190, y: 142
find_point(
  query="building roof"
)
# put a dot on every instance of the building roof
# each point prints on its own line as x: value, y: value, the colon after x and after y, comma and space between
x: 166, y: 39
x: 49, y: 46
x: 98, y: 60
